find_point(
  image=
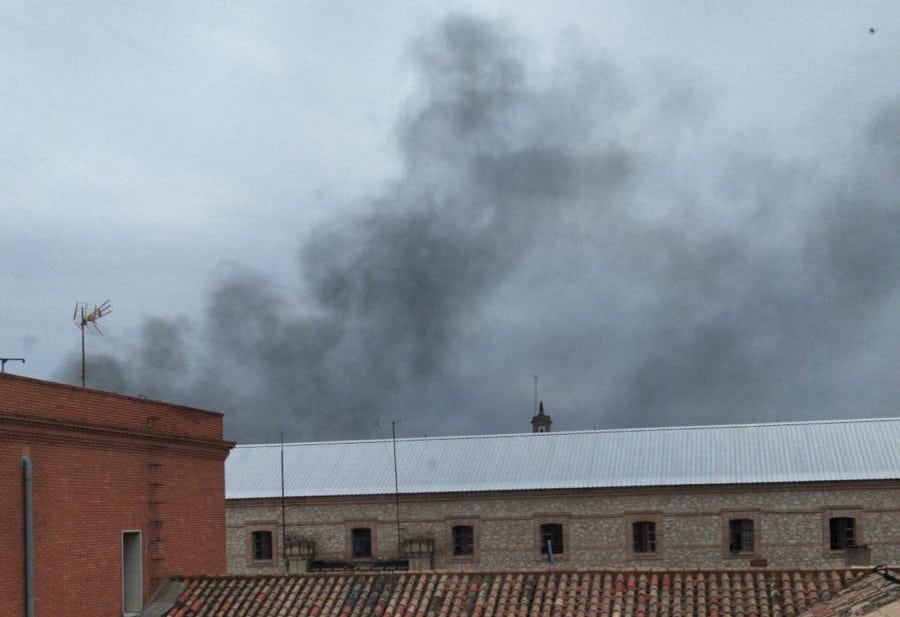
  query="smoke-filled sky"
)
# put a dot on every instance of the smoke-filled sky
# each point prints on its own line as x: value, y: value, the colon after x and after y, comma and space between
x: 321, y: 218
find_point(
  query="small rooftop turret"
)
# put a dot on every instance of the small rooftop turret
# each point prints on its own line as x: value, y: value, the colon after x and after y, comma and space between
x: 541, y: 422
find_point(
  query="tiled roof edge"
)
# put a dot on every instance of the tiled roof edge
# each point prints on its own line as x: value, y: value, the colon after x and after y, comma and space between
x: 555, y: 570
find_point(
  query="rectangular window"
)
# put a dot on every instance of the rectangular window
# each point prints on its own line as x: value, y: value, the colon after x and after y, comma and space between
x: 644, y: 536
x: 361, y: 542
x: 842, y: 532
x: 132, y: 577
x: 552, y: 537
x: 740, y: 535
x: 262, y: 545
x: 463, y: 540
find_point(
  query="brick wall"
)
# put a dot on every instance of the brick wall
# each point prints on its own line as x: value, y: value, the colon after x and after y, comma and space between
x: 103, y: 464
x: 46, y: 400
x: 790, y: 525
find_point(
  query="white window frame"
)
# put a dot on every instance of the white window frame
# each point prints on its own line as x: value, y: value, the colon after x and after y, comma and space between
x: 140, y: 537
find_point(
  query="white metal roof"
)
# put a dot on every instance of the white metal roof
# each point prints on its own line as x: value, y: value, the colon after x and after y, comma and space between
x: 729, y: 454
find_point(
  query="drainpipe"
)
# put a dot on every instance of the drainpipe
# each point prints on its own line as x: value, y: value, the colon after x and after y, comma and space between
x: 29, y: 539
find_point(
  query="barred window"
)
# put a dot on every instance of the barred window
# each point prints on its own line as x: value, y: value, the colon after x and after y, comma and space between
x: 463, y: 540
x: 644, y: 536
x: 361, y: 542
x: 843, y: 533
x: 740, y: 535
x: 262, y: 545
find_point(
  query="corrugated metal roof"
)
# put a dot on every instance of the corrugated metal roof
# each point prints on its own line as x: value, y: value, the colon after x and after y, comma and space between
x: 730, y: 454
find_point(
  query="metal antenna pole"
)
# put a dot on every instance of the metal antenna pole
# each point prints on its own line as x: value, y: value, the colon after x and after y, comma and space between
x: 3, y: 362
x: 83, y: 323
x: 83, y: 319
x: 535, y: 395
x: 396, y: 484
x: 283, y: 534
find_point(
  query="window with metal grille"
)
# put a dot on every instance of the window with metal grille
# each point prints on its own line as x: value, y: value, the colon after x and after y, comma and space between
x: 361, y: 542
x: 740, y: 535
x: 262, y: 545
x: 644, y: 535
x: 843, y: 533
x: 552, y: 535
x: 463, y: 540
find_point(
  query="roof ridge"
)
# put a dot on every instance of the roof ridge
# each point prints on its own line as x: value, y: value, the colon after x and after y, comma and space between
x: 649, y: 429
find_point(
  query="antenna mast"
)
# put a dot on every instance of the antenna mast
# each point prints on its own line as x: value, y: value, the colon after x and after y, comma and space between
x: 287, y: 565
x: 3, y: 362
x: 396, y: 483
x: 394, y: 424
x: 84, y: 318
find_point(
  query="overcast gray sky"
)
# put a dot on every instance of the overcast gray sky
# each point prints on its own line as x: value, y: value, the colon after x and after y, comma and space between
x: 318, y: 218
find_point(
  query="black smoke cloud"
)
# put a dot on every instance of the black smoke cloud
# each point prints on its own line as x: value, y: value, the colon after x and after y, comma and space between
x: 541, y: 223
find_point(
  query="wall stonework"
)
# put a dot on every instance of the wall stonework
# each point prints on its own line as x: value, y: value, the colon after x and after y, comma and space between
x: 790, y: 528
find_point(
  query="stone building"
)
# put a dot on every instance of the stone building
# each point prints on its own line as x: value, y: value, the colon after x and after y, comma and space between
x: 775, y: 496
x: 103, y: 497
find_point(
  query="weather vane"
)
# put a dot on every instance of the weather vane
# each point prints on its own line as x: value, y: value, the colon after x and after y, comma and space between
x: 85, y: 318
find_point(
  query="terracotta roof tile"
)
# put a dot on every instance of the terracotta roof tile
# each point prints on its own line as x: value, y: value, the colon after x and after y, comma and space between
x: 862, y: 596
x: 555, y: 593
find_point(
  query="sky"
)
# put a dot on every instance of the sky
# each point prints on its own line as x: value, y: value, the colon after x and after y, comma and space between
x: 322, y: 217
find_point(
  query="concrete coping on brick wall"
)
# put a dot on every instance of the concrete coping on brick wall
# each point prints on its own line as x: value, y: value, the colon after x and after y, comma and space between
x: 164, y: 598
x: 144, y: 400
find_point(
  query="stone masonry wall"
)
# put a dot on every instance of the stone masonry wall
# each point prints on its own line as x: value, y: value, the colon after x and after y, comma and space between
x: 790, y: 526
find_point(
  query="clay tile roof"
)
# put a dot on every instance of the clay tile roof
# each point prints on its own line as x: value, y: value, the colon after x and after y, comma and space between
x: 877, y: 594
x: 557, y: 593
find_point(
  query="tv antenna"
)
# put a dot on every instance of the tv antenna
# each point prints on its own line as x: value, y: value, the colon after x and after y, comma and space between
x: 86, y: 318
x: 3, y: 362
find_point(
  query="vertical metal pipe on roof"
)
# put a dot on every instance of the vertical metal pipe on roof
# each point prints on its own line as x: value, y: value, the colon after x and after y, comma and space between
x: 396, y: 487
x: 29, y: 538
x: 287, y: 567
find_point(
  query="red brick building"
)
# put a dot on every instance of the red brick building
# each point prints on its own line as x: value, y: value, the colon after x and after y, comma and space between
x: 125, y: 492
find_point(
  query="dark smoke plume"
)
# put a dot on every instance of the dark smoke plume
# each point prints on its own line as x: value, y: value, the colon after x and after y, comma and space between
x: 544, y: 223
